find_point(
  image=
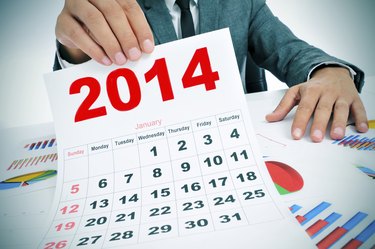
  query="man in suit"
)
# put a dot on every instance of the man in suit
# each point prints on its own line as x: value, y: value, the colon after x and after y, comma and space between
x: 115, y: 31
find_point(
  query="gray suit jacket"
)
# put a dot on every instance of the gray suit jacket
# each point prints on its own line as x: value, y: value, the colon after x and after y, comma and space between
x: 253, y: 29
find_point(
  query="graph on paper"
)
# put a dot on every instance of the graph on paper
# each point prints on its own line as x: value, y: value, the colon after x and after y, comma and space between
x: 363, y: 142
x: 358, y: 142
x: 368, y: 171
x: 326, y: 226
x: 37, y: 160
x: 40, y: 145
x: 27, y: 179
x: 29, y: 161
x: 286, y: 179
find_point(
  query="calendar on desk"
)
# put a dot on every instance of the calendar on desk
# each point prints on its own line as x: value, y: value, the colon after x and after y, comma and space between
x: 161, y: 153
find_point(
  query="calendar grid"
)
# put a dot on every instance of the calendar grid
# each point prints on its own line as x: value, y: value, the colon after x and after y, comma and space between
x: 236, y: 191
x: 132, y: 188
x: 113, y: 196
x: 151, y: 165
x: 85, y: 200
x: 80, y: 221
x: 174, y: 185
x: 160, y: 154
x: 253, y: 153
x: 201, y: 174
x: 55, y: 215
x: 141, y: 186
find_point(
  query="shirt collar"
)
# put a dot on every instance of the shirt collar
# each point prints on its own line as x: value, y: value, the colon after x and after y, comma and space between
x: 170, y: 3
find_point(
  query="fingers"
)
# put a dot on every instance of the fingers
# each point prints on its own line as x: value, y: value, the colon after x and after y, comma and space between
x: 359, y: 115
x: 341, y: 114
x: 286, y: 104
x: 309, y: 98
x: 340, y: 117
x: 116, y: 30
x: 139, y: 24
x: 330, y: 90
x: 71, y: 34
x: 94, y: 19
x: 127, y: 25
x: 322, y: 116
x: 325, y: 106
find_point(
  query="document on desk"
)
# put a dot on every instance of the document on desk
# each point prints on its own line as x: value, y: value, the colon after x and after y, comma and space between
x: 160, y: 153
x: 328, y: 186
x: 27, y: 163
x: 28, y: 173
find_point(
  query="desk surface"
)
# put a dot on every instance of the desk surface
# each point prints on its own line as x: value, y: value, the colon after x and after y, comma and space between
x: 330, y: 173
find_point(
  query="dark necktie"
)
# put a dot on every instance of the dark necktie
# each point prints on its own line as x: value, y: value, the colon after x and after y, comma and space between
x: 187, y: 25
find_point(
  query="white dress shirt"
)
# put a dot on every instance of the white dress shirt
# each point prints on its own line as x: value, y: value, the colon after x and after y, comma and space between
x: 175, y: 13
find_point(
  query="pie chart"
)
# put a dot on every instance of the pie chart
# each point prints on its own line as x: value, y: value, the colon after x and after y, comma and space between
x: 286, y: 179
x: 27, y: 179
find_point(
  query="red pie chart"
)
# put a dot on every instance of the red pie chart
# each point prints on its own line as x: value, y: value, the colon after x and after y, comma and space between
x: 286, y: 179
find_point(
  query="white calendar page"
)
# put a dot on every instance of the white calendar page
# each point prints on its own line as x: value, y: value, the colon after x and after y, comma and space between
x: 160, y: 153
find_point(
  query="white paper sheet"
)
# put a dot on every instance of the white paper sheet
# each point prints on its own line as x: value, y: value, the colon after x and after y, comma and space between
x: 181, y: 173
x: 330, y: 173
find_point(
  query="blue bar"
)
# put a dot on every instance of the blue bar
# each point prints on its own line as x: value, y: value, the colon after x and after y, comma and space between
x: 367, y: 232
x: 355, y: 220
x: 44, y: 144
x: 336, y: 141
x: 330, y: 220
x: 38, y: 145
x: 332, y: 217
x: 370, y: 146
x: 51, y: 142
x: 295, y: 208
x: 343, y: 139
x: 366, y: 170
x: 349, y: 140
x: 315, y: 211
x: 353, y: 141
x: 360, y: 143
x: 32, y: 146
x: 346, y: 139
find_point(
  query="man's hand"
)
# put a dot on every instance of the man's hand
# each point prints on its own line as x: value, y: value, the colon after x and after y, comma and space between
x: 111, y: 31
x: 330, y: 90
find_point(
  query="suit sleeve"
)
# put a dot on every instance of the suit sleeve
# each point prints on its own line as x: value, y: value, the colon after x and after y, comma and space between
x: 275, y: 48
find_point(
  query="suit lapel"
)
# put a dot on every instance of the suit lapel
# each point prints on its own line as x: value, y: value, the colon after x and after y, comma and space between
x: 160, y: 21
x: 208, y: 15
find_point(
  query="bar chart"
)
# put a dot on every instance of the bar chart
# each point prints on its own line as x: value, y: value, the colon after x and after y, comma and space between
x: 315, y: 223
x: 367, y: 171
x: 32, y: 161
x: 358, y: 142
x: 40, y: 145
x: 303, y: 219
x: 340, y: 231
x: 361, y: 237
